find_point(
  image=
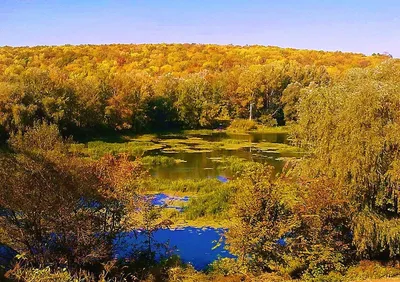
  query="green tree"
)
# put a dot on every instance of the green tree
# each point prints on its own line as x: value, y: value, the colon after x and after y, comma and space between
x: 351, y: 130
x: 290, y: 99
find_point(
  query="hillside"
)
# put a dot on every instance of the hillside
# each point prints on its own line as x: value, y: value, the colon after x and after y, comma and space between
x: 149, y: 86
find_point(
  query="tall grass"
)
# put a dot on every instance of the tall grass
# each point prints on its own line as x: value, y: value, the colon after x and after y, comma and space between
x: 152, y: 161
x: 215, y: 204
x: 183, y: 185
x: 97, y: 149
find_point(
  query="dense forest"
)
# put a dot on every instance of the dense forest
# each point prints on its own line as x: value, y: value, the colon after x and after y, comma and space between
x: 148, y: 87
x: 331, y: 214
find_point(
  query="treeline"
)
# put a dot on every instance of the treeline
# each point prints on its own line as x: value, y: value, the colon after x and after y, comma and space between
x: 150, y: 87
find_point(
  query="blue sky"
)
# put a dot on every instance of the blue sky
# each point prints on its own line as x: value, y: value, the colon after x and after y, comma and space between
x: 364, y: 26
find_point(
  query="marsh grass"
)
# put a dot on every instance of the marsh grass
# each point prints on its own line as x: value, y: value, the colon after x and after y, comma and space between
x: 97, y: 149
x: 199, y: 145
x: 203, y: 132
x: 164, y: 161
x: 209, y: 200
x: 214, y: 204
x: 242, y: 125
x: 272, y: 129
x: 139, y: 145
x: 185, y: 186
x: 250, y: 126
x: 283, y: 149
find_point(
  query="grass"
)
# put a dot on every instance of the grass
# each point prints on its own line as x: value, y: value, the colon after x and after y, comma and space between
x: 204, y: 209
x: 272, y: 129
x: 201, y: 132
x: 246, y: 126
x: 180, y: 221
x: 213, y: 222
x: 184, y: 186
x: 214, y: 204
x: 152, y: 161
x: 97, y: 149
x: 371, y: 270
x: 236, y: 165
x: 208, y: 205
x: 280, y: 148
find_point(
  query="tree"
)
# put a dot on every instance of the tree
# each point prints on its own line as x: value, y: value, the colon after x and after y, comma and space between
x: 290, y: 99
x: 351, y: 130
x: 53, y: 211
x: 260, y: 219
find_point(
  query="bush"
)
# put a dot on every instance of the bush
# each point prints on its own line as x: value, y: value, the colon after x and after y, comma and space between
x: 371, y: 270
x: 224, y: 266
x: 330, y: 277
x: 267, y: 120
x: 38, y: 275
x: 242, y: 125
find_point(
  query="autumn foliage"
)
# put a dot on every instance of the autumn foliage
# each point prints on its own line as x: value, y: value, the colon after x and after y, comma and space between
x: 150, y: 86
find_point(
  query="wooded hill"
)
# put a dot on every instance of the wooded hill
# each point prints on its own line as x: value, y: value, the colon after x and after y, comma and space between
x: 152, y: 86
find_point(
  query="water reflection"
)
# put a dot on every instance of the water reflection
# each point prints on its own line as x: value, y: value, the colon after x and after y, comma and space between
x: 201, y: 165
x: 251, y: 137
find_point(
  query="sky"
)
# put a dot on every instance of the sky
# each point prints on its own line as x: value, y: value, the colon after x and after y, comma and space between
x: 362, y: 26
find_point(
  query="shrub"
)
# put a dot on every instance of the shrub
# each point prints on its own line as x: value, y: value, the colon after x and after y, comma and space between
x: 242, y: 125
x: 267, y: 120
x: 371, y: 270
x: 225, y: 266
x: 38, y: 275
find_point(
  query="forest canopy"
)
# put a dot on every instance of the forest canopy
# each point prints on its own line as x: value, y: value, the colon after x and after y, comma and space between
x: 143, y: 87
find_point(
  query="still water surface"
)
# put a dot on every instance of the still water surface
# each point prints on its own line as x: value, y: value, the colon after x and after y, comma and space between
x: 196, y: 246
x: 201, y: 165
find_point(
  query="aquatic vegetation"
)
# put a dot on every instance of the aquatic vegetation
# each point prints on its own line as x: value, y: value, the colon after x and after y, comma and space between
x: 97, y: 149
x: 143, y: 145
x: 201, y: 132
x: 142, y: 138
x: 183, y: 145
x: 272, y: 129
x: 168, y: 201
x: 211, y: 205
x: 158, y: 160
x: 237, y: 165
x: 282, y: 149
x: 186, y: 186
